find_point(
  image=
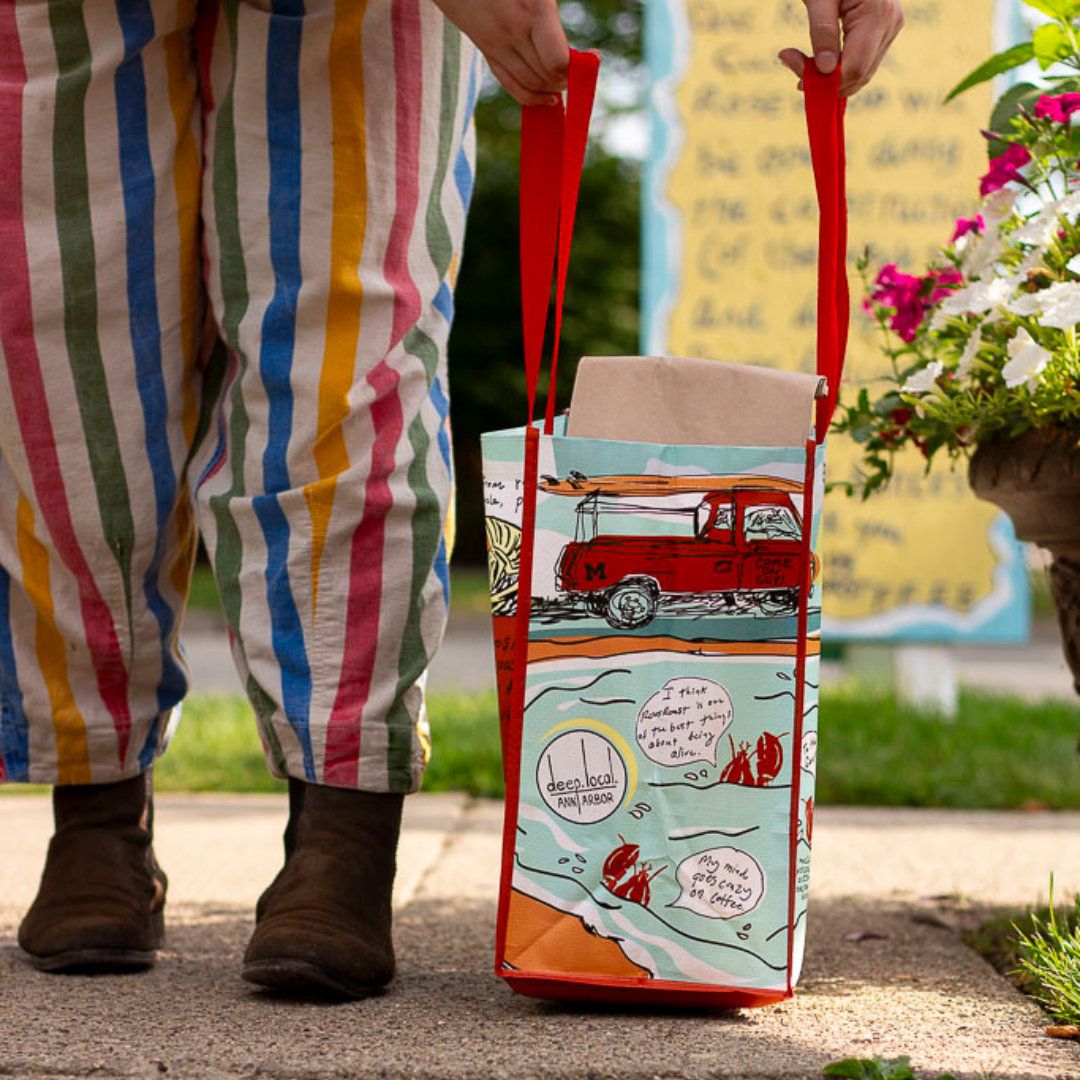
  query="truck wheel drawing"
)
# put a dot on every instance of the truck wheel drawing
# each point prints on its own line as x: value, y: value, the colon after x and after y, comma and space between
x: 630, y: 604
x: 739, y: 552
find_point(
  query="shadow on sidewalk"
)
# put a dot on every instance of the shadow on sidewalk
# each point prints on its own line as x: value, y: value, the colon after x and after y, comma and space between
x: 918, y: 991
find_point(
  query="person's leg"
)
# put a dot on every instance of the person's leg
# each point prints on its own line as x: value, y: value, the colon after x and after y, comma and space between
x: 99, y: 189
x: 340, y: 150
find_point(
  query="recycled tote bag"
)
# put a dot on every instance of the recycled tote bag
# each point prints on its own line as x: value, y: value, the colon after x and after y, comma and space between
x: 657, y: 621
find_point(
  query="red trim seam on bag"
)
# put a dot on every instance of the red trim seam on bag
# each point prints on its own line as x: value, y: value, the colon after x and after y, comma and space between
x: 806, y: 553
x: 512, y: 743
x: 551, y: 147
x: 825, y: 126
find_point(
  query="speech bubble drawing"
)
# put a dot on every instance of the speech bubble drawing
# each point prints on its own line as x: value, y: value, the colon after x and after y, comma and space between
x: 720, y: 883
x: 683, y: 721
x: 809, y: 752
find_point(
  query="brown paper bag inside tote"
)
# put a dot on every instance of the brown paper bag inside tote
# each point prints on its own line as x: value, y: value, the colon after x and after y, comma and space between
x: 682, y: 401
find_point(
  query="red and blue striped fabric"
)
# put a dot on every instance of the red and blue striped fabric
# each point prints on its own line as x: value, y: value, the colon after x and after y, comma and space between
x: 230, y: 233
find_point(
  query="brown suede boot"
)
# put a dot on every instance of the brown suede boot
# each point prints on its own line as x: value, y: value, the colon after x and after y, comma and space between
x: 323, y: 925
x: 100, y: 905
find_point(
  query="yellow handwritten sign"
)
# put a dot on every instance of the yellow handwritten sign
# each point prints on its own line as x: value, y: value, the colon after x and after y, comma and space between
x: 730, y: 272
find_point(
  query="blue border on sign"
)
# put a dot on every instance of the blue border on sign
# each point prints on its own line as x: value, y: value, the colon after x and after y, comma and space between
x: 657, y: 273
x: 1005, y: 617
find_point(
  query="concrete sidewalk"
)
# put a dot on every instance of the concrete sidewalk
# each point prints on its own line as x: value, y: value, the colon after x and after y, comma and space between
x: 917, y: 990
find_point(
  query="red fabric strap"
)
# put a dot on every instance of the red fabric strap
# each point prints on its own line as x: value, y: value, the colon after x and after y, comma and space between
x: 552, y: 156
x: 825, y: 125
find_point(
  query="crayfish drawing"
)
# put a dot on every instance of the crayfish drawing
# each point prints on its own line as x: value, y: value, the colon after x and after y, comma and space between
x: 623, y: 861
x: 754, y: 768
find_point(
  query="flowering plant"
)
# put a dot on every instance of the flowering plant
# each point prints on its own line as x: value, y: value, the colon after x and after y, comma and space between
x: 983, y: 344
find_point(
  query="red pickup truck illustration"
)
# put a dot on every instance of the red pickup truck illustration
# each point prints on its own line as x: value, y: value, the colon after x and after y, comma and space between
x: 741, y: 552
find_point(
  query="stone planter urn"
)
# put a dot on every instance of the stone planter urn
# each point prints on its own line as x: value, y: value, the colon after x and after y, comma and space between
x: 1035, y: 479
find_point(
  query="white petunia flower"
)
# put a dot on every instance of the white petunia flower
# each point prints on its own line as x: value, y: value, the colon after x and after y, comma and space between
x: 979, y: 258
x: 1065, y: 207
x: 1073, y: 264
x: 971, y: 351
x: 1061, y: 305
x: 978, y: 298
x: 1026, y: 304
x: 998, y: 206
x: 1027, y: 361
x: 924, y: 380
x: 1039, y: 230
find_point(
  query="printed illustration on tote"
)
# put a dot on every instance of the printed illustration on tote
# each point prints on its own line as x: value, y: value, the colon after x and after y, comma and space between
x: 659, y: 735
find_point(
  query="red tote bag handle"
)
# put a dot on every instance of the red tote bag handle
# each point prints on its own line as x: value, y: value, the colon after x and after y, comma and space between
x: 825, y: 125
x: 552, y: 156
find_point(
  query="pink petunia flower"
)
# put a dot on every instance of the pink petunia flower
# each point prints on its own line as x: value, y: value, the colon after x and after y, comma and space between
x: 1059, y: 107
x: 966, y: 225
x: 1004, y: 169
x: 911, y: 296
x: 941, y: 283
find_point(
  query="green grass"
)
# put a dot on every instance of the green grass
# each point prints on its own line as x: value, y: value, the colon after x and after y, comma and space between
x: 1049, y: 957
x: 467, y: 755
x: 216, y: 748
x: 999, y: 752
x: 1039, y: 951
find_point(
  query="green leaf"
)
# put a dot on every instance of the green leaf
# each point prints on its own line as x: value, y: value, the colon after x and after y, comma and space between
x: 879, y: 1068
x: 1005, y: 108
x: 898, y: 1068
x: 1051, y: 44
x: 1003, y: 61
x: 852, y: 1068
x: 885, y: 405
x: 1056, y: 9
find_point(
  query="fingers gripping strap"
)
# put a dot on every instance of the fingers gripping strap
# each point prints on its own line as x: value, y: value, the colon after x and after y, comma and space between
x: 552, y: 156
x: 825, y: 124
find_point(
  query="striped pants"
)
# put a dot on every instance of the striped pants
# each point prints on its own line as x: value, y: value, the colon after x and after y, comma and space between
x: 229, y: 233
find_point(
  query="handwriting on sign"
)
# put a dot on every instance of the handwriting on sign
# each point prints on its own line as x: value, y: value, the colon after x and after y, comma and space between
x: 733, y: 77
x: 740, y: 178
